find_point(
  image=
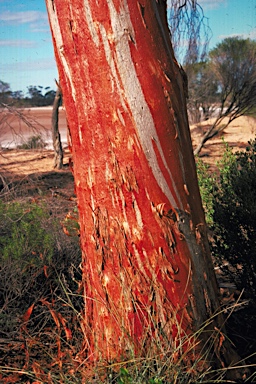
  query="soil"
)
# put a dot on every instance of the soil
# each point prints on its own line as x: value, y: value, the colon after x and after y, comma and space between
x: 30, y: 173
x: 236, y: 135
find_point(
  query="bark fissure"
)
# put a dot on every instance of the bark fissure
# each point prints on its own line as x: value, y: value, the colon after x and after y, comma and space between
x: 142, y: 12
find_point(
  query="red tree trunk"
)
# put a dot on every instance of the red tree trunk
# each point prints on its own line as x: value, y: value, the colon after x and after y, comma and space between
x: 147, y: 269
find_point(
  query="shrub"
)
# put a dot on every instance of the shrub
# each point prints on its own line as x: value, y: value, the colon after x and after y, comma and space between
x: 25, y: 247
x: 230, y: 204
x: 39, y: 281
x: 22, y: 233
x: 207, y: 184
x: 33, y: 142
x: 235, y: 220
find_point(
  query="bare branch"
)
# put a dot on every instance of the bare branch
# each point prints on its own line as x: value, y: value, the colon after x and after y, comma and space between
x: 190, y: 31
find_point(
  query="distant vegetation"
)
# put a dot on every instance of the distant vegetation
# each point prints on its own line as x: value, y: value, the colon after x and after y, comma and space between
x: 37, y: 96
x: 222, y: 86
x: 33, y: 142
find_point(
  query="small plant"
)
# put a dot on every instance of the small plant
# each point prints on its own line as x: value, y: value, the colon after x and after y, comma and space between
x: 33, y: 142
x: 22, y: 234
x: 124, y: 377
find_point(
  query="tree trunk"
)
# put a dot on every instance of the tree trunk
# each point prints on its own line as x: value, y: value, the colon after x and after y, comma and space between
x: 147, y: 270
x: 56, y: 140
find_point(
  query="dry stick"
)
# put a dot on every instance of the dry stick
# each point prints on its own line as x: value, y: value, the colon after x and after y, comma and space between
x: 57, y: 146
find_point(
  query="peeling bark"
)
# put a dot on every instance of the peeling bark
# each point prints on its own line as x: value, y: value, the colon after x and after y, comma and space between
x: 147, y: 270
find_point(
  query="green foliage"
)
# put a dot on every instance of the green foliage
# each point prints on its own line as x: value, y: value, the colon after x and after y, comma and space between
x: 207, y: 183
x: 127, y: 378
x: 33, y: 142
x: 37, y: 96
x: 124, y: 377
x: 34, y: 254
x: 230, y: 203
x: 22, y: 234
x: 225, y: 83
x: 233, y: 62
x: 233, y: 51
x: 235, y: 220
x: 226, y: 163
x: 26, y: 246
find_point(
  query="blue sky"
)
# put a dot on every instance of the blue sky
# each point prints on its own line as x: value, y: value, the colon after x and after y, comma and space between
x: 230, y: 18
x: 26, y: 53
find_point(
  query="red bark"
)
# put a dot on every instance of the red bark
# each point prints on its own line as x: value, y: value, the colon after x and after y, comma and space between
x: 146, y: 264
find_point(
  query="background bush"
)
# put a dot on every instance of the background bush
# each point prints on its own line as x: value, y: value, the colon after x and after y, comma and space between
x: 230, y: 203
x: 33, y: 142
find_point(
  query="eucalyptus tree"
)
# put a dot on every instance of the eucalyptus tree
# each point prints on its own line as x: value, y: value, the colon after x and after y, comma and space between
x: 148, y: 280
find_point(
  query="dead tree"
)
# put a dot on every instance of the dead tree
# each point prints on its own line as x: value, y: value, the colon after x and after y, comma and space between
x: 56, y: 139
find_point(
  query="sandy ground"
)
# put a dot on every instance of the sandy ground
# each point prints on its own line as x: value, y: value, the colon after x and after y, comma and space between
x: 14, y: 130
x: 237, y: 135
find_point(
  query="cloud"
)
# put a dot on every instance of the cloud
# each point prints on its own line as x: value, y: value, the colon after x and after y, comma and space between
x: 42, y: 27
x: 17, y: 43
x: 211, y: 4
x: 205, y: 4
x: 222, y: 37
x: 33, y: 65
x: 22, y: 17
x: 250, y: 35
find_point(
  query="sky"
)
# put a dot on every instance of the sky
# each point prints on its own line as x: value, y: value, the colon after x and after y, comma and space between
x: 26, y: 52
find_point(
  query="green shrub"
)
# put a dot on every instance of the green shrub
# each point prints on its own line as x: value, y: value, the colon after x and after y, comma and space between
x: 207, y: 184
x: 37, y: 261
x: 209, y: 181
x: 26, y: 246
x: 230, y: 205
x: 23, y: 236
x: 33, y: 142
x: 235, y: 220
